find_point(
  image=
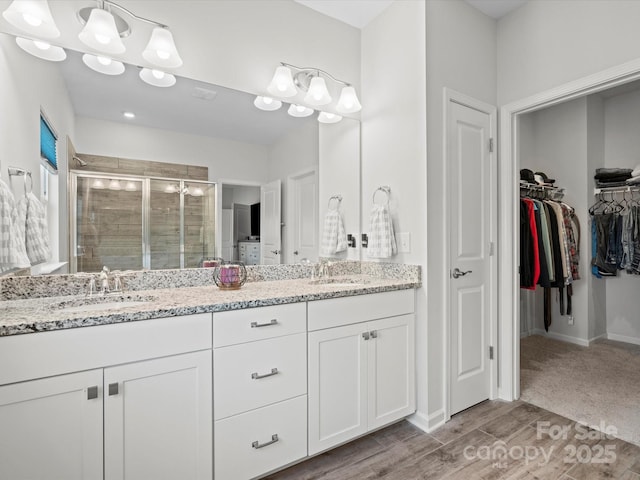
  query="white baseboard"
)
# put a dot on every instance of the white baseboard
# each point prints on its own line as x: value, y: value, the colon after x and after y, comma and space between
x: 419, y: 420
x: 623, y: 338
x: 563, y: 338
x: 597, y: 337
x: 525, y: 333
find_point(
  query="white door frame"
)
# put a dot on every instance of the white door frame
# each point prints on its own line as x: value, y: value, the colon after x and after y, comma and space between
x: 451, y: 96
x: 509, y: 240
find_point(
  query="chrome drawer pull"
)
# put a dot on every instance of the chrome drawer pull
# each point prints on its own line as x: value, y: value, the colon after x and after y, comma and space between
x: 274, y: 439
x: 255, y: 376
x: 374, y: 334
x: 268, y: 324
x: 92, y: 392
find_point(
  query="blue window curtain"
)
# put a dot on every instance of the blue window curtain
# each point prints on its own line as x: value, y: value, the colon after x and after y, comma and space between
x: 48, y: 144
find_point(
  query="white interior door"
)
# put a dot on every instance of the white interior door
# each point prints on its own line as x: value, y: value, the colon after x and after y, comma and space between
x: 470, y: 204
x: 241, y: 225
x: 304, y: 220
x: 227, y: 233
x: 271, y: 223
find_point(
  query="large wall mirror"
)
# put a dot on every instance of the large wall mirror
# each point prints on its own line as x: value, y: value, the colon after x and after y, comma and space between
x: 249, y: 153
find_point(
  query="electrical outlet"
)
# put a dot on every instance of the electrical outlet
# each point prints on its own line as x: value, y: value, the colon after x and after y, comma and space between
x: 570, y: 319
x: 404, y: 242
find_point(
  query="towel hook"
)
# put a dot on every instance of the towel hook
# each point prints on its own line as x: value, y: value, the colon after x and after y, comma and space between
x: 337, y: 198
x: 22, y: 172
x: 386, y: 190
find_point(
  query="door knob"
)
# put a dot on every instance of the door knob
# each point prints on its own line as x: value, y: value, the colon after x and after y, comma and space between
x: 458, y: 273
x: 295, y: 252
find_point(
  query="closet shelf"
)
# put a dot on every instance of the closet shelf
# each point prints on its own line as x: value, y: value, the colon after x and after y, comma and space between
x: 628, y: 188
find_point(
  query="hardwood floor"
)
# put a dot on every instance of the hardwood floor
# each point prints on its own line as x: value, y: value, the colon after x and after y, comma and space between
x: 493, y: 440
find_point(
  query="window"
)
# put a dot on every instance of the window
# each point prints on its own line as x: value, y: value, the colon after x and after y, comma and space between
x: 48, y: 150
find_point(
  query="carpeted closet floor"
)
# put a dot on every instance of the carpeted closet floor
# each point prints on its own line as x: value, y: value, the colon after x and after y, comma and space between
x: 597, y: 385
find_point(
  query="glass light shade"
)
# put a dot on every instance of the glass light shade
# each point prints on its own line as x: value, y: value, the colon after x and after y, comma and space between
x: 131, y: 187
x: 103, y: 64
x: 172, y: 188
x: 299, y: 111
x: 161, y: 49
x: 348, y: 102
x: 326, y: 117
x: 41, y: 49
x: 282, y: 83
x: 318, y: 93
x: 98, y: 184
x: 115, y: 185
x: 32, y: 16
x: 267, y: 103
x: 157, y: 78
x: 100, y: 33
x: 196, y: 192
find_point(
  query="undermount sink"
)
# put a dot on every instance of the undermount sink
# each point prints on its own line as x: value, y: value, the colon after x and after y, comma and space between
x: 102, y: 303
x: 339, y: 282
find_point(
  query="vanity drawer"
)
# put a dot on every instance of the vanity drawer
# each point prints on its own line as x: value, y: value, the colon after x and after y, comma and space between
x: 234, y: 386
x: 360, y: 308
x: 236, y: 457
x: 248, y: 325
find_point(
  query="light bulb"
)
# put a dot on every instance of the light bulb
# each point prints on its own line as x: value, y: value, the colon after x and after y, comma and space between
x: 106, y: 61
x: 130, y: 187
x: 282, y: 83
x: 159, y: 74
x: 42, y: 45
x: 267, y: 100
x: 163, y: 54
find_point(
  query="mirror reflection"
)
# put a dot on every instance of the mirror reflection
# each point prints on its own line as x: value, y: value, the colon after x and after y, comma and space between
x: 271, y: 181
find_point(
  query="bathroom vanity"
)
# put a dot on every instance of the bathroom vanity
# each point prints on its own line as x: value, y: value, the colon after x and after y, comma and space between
x: 197, y: 383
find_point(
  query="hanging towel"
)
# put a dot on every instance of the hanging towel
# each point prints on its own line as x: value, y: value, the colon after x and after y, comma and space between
x: 334, y: 237
x: 32, y: 221
x: 382, y: 240
x: 12, y: 249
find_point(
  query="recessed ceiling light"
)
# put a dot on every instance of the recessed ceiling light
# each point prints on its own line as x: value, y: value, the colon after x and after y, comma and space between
x: 129, y: 115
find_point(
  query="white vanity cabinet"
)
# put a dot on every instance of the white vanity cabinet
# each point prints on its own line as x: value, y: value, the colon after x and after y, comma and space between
x: 140, y: 406
x: 260, y: 390
x: 361, y: 365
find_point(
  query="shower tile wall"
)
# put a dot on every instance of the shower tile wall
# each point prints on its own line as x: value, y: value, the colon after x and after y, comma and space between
x: 110, y: 222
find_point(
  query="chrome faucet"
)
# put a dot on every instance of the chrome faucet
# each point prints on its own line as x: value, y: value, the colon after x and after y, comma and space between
x: 108, y: 278
x: 323, y: 270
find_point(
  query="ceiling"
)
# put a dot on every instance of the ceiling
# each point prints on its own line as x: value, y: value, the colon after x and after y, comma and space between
x: 358, y: 13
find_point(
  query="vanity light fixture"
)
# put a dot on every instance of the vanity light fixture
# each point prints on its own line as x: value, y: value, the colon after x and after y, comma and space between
x: 327, y: 117
x: 41, y: 49
x: 299, y: 111
x: 130, y: 187
x: 196, y: 191
x: 98, y: 184
x: 104, y: 27
x: 102, y: 64
x: 115, y: 185
x: 267, y: 103
x: 157, y: 78
x: 32, y: 17
x: 285, y: 83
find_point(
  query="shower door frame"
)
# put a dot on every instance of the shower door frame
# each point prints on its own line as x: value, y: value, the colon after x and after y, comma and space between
x: 146, y: 211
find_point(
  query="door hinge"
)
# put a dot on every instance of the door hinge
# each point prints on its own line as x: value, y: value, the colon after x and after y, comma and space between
x: 491, y: 249
x: 491, y: 145
x: 490, y: 353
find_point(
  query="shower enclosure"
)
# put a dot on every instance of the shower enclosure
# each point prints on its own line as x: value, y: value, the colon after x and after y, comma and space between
x: 130, y: 222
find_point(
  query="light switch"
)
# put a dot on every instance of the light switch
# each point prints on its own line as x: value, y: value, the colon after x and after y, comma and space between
x: 404, y: 242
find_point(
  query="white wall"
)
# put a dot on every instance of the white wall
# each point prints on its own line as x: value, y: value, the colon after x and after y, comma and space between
x: 622, y: 149
x: 544, y: 43
x: 225, y: 158
x: 28, y: 85
x: 394, y: 147
x: 239, y: 194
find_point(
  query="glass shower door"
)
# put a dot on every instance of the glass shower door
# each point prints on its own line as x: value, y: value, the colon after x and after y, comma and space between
x: 199, y: 224
x: 108, y: 226
x: 165, y: 218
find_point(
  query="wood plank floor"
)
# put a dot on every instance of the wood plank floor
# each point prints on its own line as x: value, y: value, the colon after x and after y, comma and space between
x: 493, y: 440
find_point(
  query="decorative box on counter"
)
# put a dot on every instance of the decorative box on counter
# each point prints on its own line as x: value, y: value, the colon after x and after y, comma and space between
x: 230, y: 276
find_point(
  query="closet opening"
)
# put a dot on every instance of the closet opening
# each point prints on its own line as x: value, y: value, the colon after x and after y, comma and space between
x: 577, y: 338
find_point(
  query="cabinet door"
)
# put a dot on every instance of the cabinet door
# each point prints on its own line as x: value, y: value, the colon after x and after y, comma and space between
x: 391, y: 382
x: 337, y: 386
x: 52, y: 428
x: 158, y: 419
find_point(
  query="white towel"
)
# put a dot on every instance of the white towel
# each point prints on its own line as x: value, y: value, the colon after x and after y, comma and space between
x: 32, y: 219
x: 334, y: 237
x: 12, y: 249
x: 636, y: 171
x: 382, y: 240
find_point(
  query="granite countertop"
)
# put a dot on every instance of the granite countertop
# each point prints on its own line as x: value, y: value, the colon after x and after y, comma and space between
x: 61, y: 312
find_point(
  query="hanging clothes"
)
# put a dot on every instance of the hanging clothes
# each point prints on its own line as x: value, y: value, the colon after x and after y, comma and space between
x: 549, y: 250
